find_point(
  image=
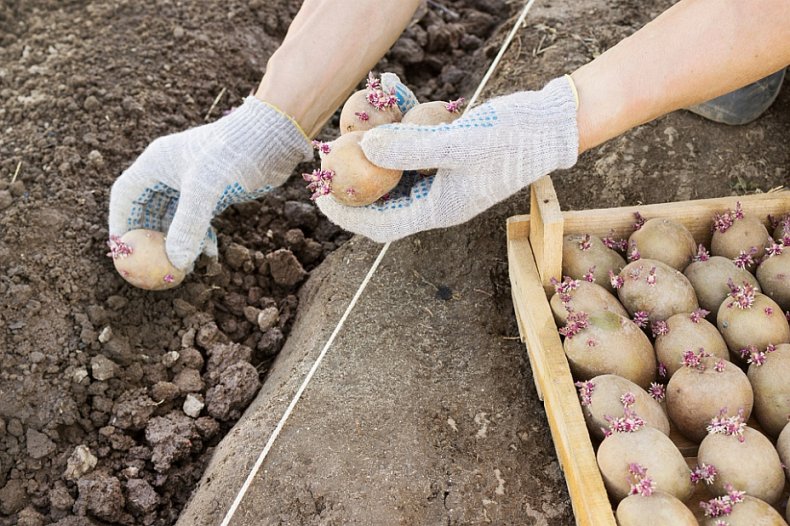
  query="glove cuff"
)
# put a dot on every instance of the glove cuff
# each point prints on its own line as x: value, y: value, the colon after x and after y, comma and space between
x: 258, y: 129
x: 561, y: 133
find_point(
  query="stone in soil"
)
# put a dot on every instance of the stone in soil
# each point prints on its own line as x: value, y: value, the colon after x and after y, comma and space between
x: 79, y: 463
x: 141, y: 497
x: 39, y: 445
x: 285, y: 268
x: 132, y: 410
x: 236, y: 388
x: 100, y: 495
x: 165, y: 392
x: 189, y: 381
x: 222, y: 356
x: 12, y: 497
x: 102, y: 368
x: 193, y: 405
x: 267, y: 318
x: 173, y: 437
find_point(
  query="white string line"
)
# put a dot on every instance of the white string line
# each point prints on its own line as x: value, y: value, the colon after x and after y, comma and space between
x: 501, y: 53
x: 262, y: 456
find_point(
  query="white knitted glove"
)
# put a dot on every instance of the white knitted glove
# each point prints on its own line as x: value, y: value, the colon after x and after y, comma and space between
x: 487, y: 155
x: 181, y: 181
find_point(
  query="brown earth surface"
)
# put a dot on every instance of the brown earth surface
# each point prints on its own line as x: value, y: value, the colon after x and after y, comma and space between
x: 86, y: 85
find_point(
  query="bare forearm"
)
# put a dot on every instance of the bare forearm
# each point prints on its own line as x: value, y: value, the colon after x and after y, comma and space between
x: 329, y: 48
x: 693, y: 52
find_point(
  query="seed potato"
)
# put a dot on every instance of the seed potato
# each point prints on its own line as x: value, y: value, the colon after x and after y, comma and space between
x: 140, y: 258
x: 709, y: 277
x: 655, y: 288
x: 696, y: 395
x: 664, y: 240
x: 582, y: 253
x: 653, y: 450
x: 751, y: 465
x: 605, y: 400
x: 771, y: 384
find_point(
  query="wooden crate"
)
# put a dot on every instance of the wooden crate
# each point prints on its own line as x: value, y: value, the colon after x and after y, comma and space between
x: 534, y: 257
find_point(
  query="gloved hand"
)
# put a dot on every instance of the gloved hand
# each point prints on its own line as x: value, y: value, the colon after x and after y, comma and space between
x: 181, y: 181
x: 487, y: 155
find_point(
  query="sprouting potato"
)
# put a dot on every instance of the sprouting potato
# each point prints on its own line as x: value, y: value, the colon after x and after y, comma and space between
x: 433, y: 113
x: 647, y: 447
x: 749, y: 319
x: 602, y: 397
x: 606, y: 343
x: 740, y: 238
x: 686, y: 331
x: 769, y: 374
x: 655, y: 289
x: 745, y: 459
x: 580, y: 295
x: 699, y: 390
x: 586, y: 257
x: 663, y: 240
x: 368, y: 108
x: 709, y: 276
x: 140, y: 258
x: 657, y: 509
x: 348, y: 176
x: 774, y: 276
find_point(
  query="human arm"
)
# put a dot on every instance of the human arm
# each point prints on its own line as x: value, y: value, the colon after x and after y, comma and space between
x: 696, y: 50
x: 330, y: 46
x: 181, y: 181
x: 693, y: 52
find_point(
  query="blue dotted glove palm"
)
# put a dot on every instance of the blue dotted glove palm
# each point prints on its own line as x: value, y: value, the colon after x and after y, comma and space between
x: 487, y: 155
x: 181, y: 181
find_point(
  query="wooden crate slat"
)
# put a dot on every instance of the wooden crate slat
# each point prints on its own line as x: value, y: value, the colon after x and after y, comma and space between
x: 545, y: 231
x: 551, y: 370
x: 697, y: 216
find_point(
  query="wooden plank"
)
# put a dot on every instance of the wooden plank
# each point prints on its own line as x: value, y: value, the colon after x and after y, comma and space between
x: 546, y: 231
x: 697, y: 215
x: 553, y: 375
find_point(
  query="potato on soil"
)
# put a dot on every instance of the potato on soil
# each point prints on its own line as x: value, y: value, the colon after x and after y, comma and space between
x: 783, y: 448
x: 581, y: 295
x: 360, y: 115
x: 606, y: 343
x: 432, y: 113
x: 686, y: 331
x: 141, y: 259
x: 602, y: 397
x: 735, y: 234
x: 769, y: 375
x: 664, y: 240
x: 774, y: 277
x: 749, y: 512
x: 355, y: 181
x: 749, y: 318
x: 696, y: 394
x: 655, y: 288
x: 583, y: 254
x: 661, y: 508
x: 709, y: 276
x: 751, y: 465
x: 653, y: 450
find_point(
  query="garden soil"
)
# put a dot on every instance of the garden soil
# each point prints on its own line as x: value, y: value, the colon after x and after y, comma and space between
x: 424, y: 411
x: 98, y: 379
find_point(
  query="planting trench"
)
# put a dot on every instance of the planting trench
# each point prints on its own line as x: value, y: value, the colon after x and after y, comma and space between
x: 424, y: 410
